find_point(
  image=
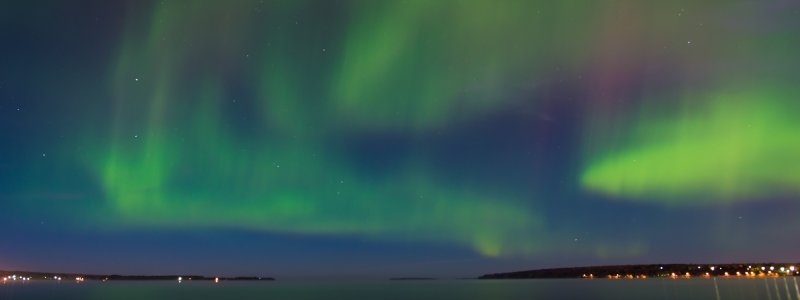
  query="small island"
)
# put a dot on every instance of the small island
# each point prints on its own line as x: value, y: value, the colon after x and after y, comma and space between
x: 657, y: 270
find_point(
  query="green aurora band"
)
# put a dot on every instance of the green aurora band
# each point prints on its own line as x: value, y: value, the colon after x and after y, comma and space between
x: 175, y: 156
x: 725, y: 133
x: 731, y: 145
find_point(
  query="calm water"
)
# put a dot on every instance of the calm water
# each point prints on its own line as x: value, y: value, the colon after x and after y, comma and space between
x: 733, y: 288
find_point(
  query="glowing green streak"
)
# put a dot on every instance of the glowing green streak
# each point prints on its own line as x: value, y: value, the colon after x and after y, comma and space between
x: 422, y: 64
x: 742, y: 145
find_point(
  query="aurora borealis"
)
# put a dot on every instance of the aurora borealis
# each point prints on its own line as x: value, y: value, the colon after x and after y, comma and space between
x: 374, y: 138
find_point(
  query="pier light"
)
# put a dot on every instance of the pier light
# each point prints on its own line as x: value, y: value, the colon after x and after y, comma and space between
x: 216, y: 279
x: 180, y: 278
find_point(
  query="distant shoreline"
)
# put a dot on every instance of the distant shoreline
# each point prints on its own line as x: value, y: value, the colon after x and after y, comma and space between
x: 7, y: 276
x: 657, y: 270
x: 588, y: 272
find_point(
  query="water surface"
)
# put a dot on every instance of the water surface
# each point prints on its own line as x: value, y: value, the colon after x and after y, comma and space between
x: 699, y: 288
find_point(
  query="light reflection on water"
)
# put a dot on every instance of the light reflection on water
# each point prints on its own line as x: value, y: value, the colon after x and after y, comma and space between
x: 729, y: 288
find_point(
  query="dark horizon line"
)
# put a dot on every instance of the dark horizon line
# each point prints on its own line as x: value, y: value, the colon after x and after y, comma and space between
x: 753, y: 269
x: 559, y: 272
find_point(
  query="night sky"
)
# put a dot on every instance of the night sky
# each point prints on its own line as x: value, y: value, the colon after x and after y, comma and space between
x: 396, y: 138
